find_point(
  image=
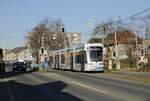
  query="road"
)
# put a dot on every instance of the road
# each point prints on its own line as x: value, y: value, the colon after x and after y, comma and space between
x: 68, y: 86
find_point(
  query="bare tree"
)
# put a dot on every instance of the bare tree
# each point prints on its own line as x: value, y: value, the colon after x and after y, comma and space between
x: 47, y: 34
x: 103, y: 29
x: 54, y: 37
x: 141, y: 24
x: 34, y: 38
x: 110, y: 26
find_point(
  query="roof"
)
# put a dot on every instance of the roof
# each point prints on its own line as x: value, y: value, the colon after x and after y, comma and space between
x: 95, y: 40
x: 123, y: 37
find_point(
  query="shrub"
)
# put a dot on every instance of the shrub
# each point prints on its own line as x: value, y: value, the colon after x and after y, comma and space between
x: 35, y: 68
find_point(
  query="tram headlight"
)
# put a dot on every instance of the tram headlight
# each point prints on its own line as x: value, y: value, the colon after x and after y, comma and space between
x: 100, y: 63
x: 90, y: 63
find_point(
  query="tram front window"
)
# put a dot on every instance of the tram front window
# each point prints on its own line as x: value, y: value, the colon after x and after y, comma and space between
x: 96, y: 53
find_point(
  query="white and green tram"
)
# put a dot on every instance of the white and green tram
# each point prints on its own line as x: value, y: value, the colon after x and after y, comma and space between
x: 88, y: 57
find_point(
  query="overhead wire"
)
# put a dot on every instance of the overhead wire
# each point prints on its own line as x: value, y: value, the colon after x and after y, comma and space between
x: 134, y: 15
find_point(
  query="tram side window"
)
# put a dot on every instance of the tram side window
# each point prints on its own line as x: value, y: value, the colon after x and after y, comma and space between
x: 51, y: 60
x: 62, y: 58
x: 83, y: 57
x: 56, y: 59
x: 78, y: 58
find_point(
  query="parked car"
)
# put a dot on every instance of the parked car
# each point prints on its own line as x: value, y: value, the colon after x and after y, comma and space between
x: 2, y: 66
x: 20, y: 66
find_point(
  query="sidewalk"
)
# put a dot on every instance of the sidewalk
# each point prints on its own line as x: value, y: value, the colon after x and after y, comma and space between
x: 133, y: 73
x: 135, y: 77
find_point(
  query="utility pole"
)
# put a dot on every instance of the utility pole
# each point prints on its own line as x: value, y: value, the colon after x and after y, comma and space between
x: 43, y: 39
x: 43, y: 50
x: 116, y: 52
x: 103, y: 30
x: 63, y: 32
x: 136, y: 43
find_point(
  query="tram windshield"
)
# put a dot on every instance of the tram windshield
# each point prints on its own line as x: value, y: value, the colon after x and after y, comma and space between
x: 96, y: 53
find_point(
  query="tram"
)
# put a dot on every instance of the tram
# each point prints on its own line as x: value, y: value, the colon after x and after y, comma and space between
x: 88, y: 57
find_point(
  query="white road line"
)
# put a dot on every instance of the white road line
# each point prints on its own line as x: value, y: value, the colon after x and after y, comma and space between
x: 65, y: 79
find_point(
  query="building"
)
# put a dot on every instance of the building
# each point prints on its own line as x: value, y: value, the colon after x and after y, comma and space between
x: 25, y: 55
x: 73, y: 38
x: 10, y: 56
x: 125, y: 46
x: 19, y: 53
x: 146, y: 46
x: 126, y: 41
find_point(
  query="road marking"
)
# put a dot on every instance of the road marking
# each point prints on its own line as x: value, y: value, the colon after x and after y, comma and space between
x: 35, y: 79
x: 67, y: 80
x: 92, y: 88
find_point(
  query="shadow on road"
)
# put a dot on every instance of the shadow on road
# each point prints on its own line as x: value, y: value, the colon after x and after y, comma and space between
x: 11, y: 74
x: 14, y: 91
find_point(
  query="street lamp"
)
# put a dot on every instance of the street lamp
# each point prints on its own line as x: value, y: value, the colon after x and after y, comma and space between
x: 54, y: 37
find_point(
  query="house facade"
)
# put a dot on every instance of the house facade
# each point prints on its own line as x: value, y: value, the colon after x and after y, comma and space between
x: 146, y: 46
x: 122, y: 48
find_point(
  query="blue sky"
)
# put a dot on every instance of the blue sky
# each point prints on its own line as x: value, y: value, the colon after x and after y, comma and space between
x: 17, y: 17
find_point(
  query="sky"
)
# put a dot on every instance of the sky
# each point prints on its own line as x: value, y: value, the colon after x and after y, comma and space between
x: 17, y: 17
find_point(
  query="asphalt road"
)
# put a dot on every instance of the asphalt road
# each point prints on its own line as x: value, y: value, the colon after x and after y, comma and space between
x: 67, y: 86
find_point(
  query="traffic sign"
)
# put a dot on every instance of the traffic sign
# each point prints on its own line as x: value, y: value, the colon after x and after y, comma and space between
x: 142, y: 59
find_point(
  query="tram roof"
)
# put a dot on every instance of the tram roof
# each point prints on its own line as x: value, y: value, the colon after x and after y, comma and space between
x: 77, y: 47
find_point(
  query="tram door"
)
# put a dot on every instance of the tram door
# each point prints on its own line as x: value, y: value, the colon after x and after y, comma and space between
x: 58, y: 62
x: 55, y: 61
x: 83, y: 60
x: 71, y: 61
